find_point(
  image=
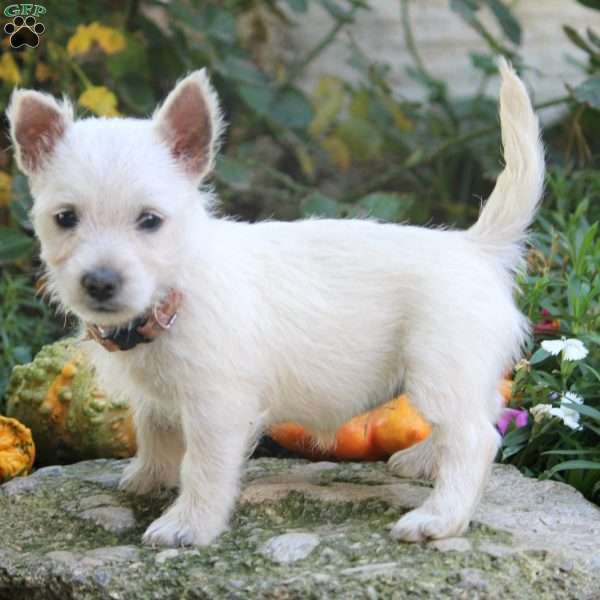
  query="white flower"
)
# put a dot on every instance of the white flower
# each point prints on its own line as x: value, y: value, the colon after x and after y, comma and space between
x: 569, y: 416
x: 539, y: 411
x: 571, y: 397
x: 572, y: 348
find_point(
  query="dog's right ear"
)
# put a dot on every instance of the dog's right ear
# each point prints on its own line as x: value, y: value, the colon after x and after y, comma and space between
x: 37, y: 123
x: 190, y: 124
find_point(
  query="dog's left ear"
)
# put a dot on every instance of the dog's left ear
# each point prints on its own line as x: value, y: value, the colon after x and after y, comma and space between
x: 190, y: 123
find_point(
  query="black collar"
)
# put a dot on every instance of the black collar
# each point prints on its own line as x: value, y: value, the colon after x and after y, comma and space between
x: 125, y: 338
x: 142, y: 330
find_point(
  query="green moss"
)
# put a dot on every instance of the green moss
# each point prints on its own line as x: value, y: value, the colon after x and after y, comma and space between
x: 347, y: 563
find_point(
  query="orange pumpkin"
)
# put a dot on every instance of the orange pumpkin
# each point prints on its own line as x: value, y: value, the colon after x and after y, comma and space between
x: 71, y: 417
x: 397, y: 425
x: 17, y: 451
x: 354, y: 440
x: 506, y: 389
x: 296, y: 438
x: 375, y: 435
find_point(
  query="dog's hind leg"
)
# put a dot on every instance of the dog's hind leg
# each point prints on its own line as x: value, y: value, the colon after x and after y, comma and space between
x: 459, y: 454
x: 417, y: 462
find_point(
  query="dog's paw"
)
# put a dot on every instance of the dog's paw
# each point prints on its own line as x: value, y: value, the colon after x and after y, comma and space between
x: 419, y: 525
x: 173, y: 529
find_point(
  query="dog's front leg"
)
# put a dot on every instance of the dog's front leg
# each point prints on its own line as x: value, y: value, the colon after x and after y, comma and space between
x: 217, y: 431
x: 159, y: 452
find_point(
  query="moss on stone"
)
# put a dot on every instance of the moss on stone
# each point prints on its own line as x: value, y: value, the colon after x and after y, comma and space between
x: 355, y: 558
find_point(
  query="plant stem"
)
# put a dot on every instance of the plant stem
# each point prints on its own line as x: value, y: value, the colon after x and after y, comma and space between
x: 132, y: 11
x: 79, y: 72
x: 280, y: 177
x: 552, y: 102
x: 394, y: 172
x: 409, y: 39
x: 340, y: 22
x: 435, y: 85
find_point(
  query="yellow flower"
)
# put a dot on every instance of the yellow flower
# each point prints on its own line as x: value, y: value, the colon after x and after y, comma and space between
x: 5, y: 188
x: 81, y: 41
x: 110, y: 40
x: 100, y: 100
x: 9, y: 71
x: 43, y: 72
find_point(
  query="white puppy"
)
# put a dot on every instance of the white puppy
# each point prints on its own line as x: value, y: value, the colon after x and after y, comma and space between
x: 311, y: 322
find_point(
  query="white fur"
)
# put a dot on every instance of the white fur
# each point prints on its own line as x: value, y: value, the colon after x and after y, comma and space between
x: 312, y: 322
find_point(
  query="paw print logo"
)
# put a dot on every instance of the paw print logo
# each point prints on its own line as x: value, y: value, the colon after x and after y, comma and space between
x: 24, y: 32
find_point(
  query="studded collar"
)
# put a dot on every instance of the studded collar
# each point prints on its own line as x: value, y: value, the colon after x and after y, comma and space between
x: 142, y: 330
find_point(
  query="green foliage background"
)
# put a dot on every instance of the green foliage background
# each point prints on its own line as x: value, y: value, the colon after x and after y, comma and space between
x: 346, y: 149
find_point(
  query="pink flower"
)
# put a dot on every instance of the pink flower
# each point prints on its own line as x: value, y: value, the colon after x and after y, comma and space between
x: 519, y: 416
x: 547, y: 324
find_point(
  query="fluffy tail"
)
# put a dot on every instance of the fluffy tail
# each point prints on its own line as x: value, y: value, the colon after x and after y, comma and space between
x: 503, y: 222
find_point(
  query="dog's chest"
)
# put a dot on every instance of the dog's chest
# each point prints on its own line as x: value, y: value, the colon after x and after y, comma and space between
x: 155, y: 372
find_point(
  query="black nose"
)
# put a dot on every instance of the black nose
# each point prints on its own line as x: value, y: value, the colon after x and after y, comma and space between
x: 101, y: 284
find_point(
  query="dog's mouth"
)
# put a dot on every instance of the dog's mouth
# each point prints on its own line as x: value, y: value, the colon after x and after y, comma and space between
x: 143, y: 329
x: 109, y: 309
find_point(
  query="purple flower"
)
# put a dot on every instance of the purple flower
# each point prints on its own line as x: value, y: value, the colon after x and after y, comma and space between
x: 519, y: 416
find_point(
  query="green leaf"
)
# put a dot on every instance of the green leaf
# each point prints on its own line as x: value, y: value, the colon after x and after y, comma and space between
x: 538, y: 356
x: 465, y: 8
x: 386, y: 206
x: 595, y: 4
x: 258, y: 98
x: 132, y: 59
x: 484, y: 62
x: 572, y: 452
x: 233, y: 173
x: 588, y: 92
x: 507, y: 20
x: 584, y: 247
x: 516, y: 436
x: 584, y: 409
x: 574, y: 36
x: 570, y: 465
x: 298, y: 6
x: 138, y: 93
x: 334, y: 10
x: 22, y: 201
x: 14, y: 245
x: 364, y: 141
x: 220, y: 25
x: 509, y: 451
x: 328, y: 100
x: 290, y: 108
x: 586, y: 367
x: 593, y: 37
x: 514, y: 441
x: 316, y: 204
x: 242, y: 70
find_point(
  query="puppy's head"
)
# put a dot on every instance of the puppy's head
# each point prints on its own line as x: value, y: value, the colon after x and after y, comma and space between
x: 116, y: 202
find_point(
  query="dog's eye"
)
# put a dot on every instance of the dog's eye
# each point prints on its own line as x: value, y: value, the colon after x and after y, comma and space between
x: 149, y: 221
x: 66, y: 219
